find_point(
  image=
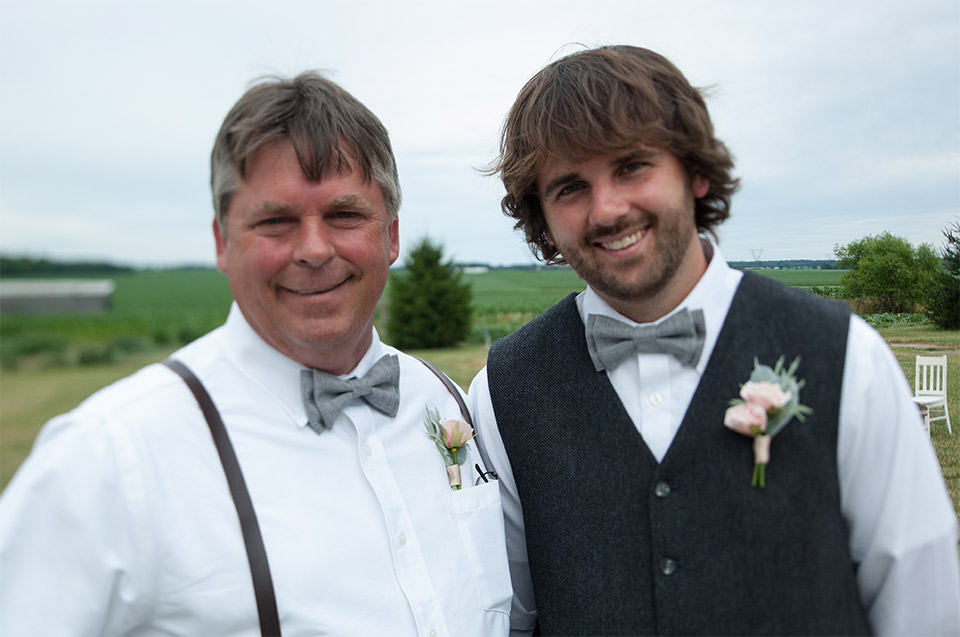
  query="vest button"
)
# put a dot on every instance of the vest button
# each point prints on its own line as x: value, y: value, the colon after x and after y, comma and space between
x: 662, y: 489
x: 668, y: 566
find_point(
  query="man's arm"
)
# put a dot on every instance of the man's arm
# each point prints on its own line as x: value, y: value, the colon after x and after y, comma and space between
x: 67, y: 555
x: 523, y: 613
x: 903, y: 528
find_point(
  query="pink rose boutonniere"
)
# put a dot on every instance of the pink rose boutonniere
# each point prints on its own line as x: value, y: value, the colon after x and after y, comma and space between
x: 450, y: 436
x: 768, y: 401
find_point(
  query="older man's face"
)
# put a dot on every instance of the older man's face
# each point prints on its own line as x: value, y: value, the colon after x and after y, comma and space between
x: 307, y: 261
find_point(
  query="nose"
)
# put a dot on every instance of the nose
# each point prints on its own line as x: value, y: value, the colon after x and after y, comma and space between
x: 313, y: 245
x: 610, y: 204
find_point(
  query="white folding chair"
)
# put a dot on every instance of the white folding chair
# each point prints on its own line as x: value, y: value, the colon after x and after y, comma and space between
x: 930, y: 388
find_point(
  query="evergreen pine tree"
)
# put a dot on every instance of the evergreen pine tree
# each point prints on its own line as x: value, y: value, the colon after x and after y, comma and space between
x: 429, y: 301
x: 943, y: 303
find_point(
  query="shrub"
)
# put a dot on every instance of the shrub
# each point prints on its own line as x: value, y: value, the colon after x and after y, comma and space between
x: 888, y: 270
x: 886, y: 319
x: 826, y: 291
x: 943, y: 300
x: 429, y: 301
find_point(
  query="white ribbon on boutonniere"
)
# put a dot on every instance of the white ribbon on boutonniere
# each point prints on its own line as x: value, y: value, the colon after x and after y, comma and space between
x: 450, y: 436
x: 768, y: 401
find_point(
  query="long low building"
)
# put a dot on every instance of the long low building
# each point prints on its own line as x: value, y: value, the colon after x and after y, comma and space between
x: 47, y: 296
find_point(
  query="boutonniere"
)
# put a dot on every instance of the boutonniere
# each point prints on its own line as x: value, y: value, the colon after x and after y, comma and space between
x: 768, y: 401
x: 450, y: 436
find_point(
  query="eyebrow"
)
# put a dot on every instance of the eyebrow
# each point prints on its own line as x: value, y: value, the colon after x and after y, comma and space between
x: 558, y: 183
x: 350, y: 201
x: 270, y: 207
x: 346, y: 201
x: 632, y: 155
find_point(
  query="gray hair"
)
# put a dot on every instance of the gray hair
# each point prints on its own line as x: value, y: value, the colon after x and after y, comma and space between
x: 329, y: 128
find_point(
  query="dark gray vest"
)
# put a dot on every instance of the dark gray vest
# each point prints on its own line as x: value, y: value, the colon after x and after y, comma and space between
x: 621, y: 545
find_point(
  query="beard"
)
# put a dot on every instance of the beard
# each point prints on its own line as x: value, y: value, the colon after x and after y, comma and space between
x: 645, y: 276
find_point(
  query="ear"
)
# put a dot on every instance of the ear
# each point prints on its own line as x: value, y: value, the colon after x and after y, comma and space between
x: 394, y: 231
x: 700, y: 187
x: 221, y: 240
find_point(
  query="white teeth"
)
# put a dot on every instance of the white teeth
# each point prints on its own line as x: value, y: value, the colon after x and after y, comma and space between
x: 627, y: 241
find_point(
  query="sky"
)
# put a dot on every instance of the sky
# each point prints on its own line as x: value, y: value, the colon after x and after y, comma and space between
x: 843, y: 116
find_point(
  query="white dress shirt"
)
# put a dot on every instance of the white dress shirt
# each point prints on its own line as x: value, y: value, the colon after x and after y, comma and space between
x: 120, y: 521
x: 903, y: 529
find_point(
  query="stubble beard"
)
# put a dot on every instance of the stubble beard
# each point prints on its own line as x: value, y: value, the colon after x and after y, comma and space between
x: 659, y: 267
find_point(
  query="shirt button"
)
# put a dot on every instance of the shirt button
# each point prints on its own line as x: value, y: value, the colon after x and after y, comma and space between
x: 433, y: 632
x: 402, y: 539
x: 662, y: 489
x: 668, y: 566
x: 655, y: 399
x: 367, y: 451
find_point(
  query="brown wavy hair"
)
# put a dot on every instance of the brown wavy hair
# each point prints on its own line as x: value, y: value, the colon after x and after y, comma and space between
x: 600, y: 101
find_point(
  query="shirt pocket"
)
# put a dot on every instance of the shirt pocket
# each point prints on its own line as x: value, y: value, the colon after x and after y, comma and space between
x: 478, y: 516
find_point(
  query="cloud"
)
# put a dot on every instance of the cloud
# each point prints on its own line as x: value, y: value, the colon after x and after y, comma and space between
x: 843, y: 115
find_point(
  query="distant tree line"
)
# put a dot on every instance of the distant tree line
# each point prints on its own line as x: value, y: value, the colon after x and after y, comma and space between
x: 19, y: 267
x: 787, y: 264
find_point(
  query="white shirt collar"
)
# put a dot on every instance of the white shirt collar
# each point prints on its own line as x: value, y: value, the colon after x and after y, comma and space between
x: 277, y: 373
x: 713, y: 294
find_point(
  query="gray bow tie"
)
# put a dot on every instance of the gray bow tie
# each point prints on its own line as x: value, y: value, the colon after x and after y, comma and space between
x: 611, y: 341
x: 325, y: 395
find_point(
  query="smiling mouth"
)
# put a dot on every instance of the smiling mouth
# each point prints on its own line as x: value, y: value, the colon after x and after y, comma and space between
x: 624, y: 242
x: 317, y: 291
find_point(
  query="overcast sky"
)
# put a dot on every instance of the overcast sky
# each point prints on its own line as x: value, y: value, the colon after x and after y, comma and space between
x: 844, y: 116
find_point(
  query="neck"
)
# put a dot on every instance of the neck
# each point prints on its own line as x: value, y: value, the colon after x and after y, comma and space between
x: 655, y: 306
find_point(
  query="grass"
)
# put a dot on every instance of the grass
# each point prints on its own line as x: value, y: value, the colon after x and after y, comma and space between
x: 910, y: 341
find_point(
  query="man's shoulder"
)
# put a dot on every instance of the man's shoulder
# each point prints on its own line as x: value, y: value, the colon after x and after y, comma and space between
x: 152, y: 394
x: 126, y: 407
x: 146, y: 392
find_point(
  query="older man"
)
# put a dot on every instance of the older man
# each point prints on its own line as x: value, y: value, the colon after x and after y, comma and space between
x: 815, y: 506
x: 332, y: 511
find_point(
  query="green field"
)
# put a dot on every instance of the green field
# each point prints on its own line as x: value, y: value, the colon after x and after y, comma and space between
x: 50, y: 363
x: 805, y: 278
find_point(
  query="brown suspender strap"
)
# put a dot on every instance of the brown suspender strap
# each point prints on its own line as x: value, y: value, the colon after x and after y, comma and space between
x: 451, y: 388
x: 256, y: 554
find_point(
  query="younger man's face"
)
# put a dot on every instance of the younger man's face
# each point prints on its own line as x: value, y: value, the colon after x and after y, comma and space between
x: 625, y: 222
